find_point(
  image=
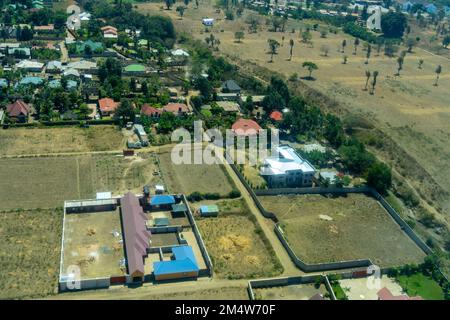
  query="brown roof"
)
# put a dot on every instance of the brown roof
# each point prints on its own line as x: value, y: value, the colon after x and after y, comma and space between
x: 107, y: 105
x: 386, y: 294
x: 276, y: 115
x: 245, y: 127
x: 150, y: 111
x: 176, y: 108
x: 136, y: 235
x: 109, y: 29
x: 17, y: 108
x: 48, y: 27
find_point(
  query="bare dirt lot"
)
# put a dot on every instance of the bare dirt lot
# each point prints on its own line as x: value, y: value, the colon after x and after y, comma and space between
x: 45, y: 182
x: 236, y: 244
x: 355, y: 226
x: 92, y: 242
x: 25, y: 141
x: 292, y: 292
x: 187, y: 178
x: 30, y: 244
x: 407, y: 108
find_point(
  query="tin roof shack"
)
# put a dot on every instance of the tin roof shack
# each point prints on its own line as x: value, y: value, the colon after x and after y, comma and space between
x: 182, y: 265
x: 209, y: 211
x: 162, y: 202
x: 139, y: 130
x: 136, y: 236
x: 179, y: 210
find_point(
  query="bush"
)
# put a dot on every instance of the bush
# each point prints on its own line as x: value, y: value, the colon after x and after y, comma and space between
x: 234, y: 194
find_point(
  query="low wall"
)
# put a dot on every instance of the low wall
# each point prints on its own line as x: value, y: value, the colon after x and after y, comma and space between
x: 318, y: 190
x: 319, y: 266
x: 200, y: 242
x: 86, y: 284
x: 329, y: 288
x: 168, y: 229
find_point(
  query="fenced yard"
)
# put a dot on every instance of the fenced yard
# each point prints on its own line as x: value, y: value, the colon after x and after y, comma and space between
x: 322, y: 229
x: 30, y: 244
x: 237, y: 246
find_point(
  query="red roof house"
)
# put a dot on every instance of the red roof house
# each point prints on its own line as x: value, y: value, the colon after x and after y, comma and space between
x: 109, y: 32
x: 245, y: 127
x: 276, y: 115
x: 151, y: 111
x: 386, y: 294
x: 107, y: 106
x: 177, y: 109
x: 18, y: 110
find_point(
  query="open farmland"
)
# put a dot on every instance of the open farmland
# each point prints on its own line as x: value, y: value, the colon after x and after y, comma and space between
x: 236, y: 244
x: 30, y: 243
x: 407, y: 108
x: 45, y: 182
x: 30, y: 141
x: 187, y: 178
x: 355, y: 226
x: 90, y: 244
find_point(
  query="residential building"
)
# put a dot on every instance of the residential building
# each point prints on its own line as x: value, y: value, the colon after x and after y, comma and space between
x: 30, y: 66
x: 209, y: 211
x: 230, y: 86
x: 245, y: 127
x: 386, y: 294
x: 54, y: 66
x: 182, y: 265
x: 178, y: 109
x: 287, y: 169
x: 229, y: 106
x: 109, y: 32
x: 150, y: 111
x: 18, y: 111
x: 107, y: 106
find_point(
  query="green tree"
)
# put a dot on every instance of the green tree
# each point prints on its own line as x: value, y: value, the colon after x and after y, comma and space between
x: 181, y: 10
x: 239, y: 35
x: 368, y: 74
x: 355, y: 44
x: 438, y: 72
x: 393, y: 24
x: 374, y: 82
x: 125, y: 112
x: 291, y: 45
x: 379, y: 177
x: 273, y: 47
x: 310, y: 66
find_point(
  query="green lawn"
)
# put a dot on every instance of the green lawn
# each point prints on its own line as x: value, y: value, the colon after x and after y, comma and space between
x: 421, y: 285
x: 338, y: 291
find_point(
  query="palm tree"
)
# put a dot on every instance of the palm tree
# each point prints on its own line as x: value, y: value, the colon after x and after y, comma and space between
x: 311, y: 66
x: 291, y: 44
x: 374, y: 82
x: 400, y: 64
x: 356, y: 44
x: 438, y: 72
x: 273, y: 46
x: 367, y: 79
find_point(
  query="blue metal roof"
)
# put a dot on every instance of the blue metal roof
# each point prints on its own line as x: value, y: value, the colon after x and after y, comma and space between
x: 184, y: 262
x: 209, y: 209
x: 31, y: 80
x: 161, y: 200
x: 161, y: 222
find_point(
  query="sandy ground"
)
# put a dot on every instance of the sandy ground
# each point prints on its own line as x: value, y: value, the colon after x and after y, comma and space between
x: 367, y: 288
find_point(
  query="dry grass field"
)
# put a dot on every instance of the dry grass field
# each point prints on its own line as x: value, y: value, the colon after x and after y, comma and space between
x: 407, y: 108
x: 45, y: 182
x: 236, y: 244
x: 30, y: 243
x: 187, y: 178
x: 355, y: 226
x: 89, y: 243
x: 291, y: 292
x: 27, y: 141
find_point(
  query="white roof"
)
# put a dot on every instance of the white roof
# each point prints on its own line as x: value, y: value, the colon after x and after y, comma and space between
x: 314, y: 147
x: 159, y: 187
x: 55, y: 64
x: 104, y: 195
x: 287, y: 160
x: 83, y: 64
x: 71, y: 72
x: 180, y: 53
x: 28, y: 64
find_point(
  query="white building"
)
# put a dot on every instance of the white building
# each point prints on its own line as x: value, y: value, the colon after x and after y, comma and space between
x: 287, y: 169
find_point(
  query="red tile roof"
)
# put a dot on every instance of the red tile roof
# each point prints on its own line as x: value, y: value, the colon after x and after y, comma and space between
x: 177, y: 108
x: 246, y: 127
x: 150, y: 111
x: 17, y: 108
x: 136, y: 236
x: 276, y: 115
x: 107, y: 105
x: 109, y: 29
x: 385, y: 294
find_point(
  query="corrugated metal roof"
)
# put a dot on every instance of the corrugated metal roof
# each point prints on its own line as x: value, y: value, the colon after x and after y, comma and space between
x: 158, y: 200
x: 184, y: 262
x: 181, y: 207
x: 209, y: 209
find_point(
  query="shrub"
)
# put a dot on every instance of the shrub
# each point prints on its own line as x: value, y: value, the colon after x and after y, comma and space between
x: 234, y: 194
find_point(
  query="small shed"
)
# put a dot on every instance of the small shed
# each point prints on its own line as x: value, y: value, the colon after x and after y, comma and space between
x: 162, y: 201
x: 104, y: 195
x: 159, y: 189
x: 209, y: 211
x: 179, y: 209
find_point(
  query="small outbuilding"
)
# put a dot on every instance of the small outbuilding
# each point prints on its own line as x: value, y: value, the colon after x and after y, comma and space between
x: 209, y: 211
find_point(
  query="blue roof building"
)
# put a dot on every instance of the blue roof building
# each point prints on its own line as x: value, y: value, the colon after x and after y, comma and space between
x: 184, y: 265
x: 71, y: 84
x: 162, y: 200
x: 209, y: 211
x: 36, y: 81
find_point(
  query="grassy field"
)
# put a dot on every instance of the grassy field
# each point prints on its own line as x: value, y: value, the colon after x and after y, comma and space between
x: 421, y: 285
x: 26, y: 141
x: 408, y: 108
x: 236, y: 244
x: 187, y: 178
x: 45, y: 182
x: 89, y: 243
x: 30, y: 243
x: 322, y: 229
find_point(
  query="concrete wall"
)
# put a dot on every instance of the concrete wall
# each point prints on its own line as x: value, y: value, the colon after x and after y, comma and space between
x: 318, y: 190
x: 86, y: 284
